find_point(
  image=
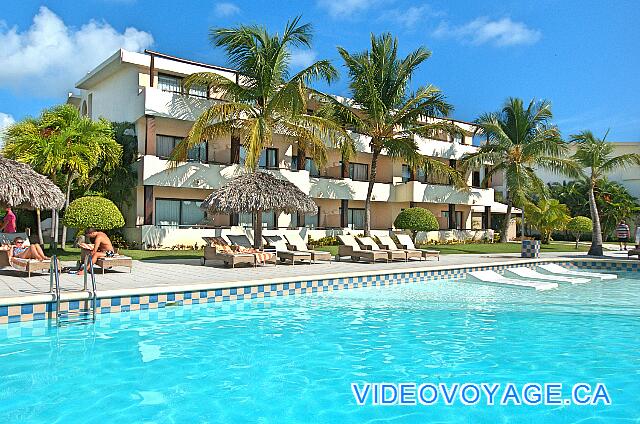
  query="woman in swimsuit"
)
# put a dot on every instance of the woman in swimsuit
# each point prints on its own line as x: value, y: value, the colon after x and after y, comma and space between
x: 19, y: 250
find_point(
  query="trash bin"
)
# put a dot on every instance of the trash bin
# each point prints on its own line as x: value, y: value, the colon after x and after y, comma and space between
x: 530, y: 249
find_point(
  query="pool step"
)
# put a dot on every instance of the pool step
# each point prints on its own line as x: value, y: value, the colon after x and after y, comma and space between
x: 524, y: 272
x: 493, y: 278
x: 82, y: 316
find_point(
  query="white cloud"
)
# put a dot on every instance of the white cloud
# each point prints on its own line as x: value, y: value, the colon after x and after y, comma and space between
x: 503, y: 32
x: 224, y: 9
x: 303, y: 58
x: 342, y: 8
x: 411, y: 16
x: 5, y: 121
x: 48, y: 58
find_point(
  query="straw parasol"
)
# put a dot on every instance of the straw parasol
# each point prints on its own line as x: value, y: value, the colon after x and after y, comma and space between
x: 23, y: 188
x: 258, y: 192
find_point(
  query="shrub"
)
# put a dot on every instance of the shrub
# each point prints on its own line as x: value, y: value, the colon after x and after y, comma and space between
x: 579, y: 225
x: 324, y: 241
x: 92, y: 211
x: 416, y: 219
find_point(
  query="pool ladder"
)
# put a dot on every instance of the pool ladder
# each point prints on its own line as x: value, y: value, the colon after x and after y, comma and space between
x: 82, y: 315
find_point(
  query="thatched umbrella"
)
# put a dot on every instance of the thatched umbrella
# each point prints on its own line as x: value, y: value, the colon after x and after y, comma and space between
x: 255, y: 193
x: 23, y: 188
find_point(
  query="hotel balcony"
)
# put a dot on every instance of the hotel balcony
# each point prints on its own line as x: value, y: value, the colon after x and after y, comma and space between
x: 415, y: 191
x: 173, y: 105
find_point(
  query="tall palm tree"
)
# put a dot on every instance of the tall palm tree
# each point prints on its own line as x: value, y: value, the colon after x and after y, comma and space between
x: 519, y: 140
x: 265, y: 100
x: 383, y: 109
x: 595, y: 157
x: 64, y: 146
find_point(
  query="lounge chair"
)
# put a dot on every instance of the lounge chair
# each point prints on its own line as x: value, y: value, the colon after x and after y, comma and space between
x: 283, y: 252
x: 524, y: 272
x: 245, y: 246
x: 557, y: 269
x: 492, y: 277
x: 406, y: 243
x: 297, y: 243
x: 105, y: 263
x: 369, y: 244
x: 350, y: 247
x: 24, y: 265
x: 634, y: 252
x: 217, y: 249
x: 388, y: 243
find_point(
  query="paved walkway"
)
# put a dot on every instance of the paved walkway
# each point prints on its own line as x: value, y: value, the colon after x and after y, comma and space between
x: 154, y: 276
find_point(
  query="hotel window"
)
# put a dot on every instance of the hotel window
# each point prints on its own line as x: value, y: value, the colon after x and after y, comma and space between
x: 421, y: 175
x: 173, y: 84
x: 406, y: 173
x: 166, y: 143
x: 269, y: 159
x: 309, y: 220
x: 359, y: 171
x: 309, y: 165
x: 355, y: 219
x: 170, y: 83
x: 268, y: 219
x: 457, y: 139
x: 178, y: 213
x: 475, y: 179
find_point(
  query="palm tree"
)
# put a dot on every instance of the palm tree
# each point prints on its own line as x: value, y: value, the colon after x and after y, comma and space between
x: 595, y: 157
x: 382, y: 109
x: 265, y: 99
x: 548, y: 215
x: 518, y: 141
x: 64, y: 146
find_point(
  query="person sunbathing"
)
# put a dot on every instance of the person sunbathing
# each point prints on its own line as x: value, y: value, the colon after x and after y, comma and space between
x: 19, y: 250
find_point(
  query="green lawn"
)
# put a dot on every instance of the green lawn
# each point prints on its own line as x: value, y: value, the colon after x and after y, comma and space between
x: 482, y: 248
x: 73, y: 254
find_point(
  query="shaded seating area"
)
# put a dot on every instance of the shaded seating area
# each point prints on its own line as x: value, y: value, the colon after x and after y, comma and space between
x: 350, y: 247
x: 407, y: 243
x: 295, y: 242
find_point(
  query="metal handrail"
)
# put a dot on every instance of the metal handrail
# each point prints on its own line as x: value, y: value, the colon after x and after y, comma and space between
x: 89, y: 270
x: 56, y: 278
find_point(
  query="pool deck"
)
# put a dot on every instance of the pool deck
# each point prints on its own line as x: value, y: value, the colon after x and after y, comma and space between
x: 152, y: 277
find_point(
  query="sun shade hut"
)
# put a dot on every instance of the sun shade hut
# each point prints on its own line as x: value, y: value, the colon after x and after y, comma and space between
x: 23, y: 188
x: 255, y: 193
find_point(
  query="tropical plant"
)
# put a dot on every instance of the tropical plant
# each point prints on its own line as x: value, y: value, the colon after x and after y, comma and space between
x: 547, y: 216
x: 416, y: 219
x: 595, y: 157
x: 579, y: 225
x: 64, y: 146
x: 519, y: 140
x: 92, y: 211
x: 384, y: 110
x: 265, y: 100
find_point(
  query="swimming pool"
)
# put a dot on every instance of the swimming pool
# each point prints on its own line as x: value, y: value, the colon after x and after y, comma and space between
x: 293, y: 359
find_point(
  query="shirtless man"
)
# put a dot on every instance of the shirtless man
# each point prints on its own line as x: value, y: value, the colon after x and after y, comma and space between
x: 102, y: 246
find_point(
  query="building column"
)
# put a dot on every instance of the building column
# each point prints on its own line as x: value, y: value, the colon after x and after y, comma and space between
x: 150, y: 135
x: 452, y: 216
x: 148, y: 205
x: 487, y: 218
x: 344, y: 213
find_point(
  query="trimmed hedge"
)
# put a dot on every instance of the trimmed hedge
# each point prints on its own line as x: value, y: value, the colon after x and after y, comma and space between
x: 416, y: 219
x: 92, y: 211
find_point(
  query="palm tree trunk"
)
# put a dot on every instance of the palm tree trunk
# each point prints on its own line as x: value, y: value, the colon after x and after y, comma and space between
x: 367, y: 202
x: 522, y: 224
x: 577, y: 241
x: 66, y: 205
x: 39, y: 224
x: 596, y: 236
x: 257, y: 230
x: 507, y: 220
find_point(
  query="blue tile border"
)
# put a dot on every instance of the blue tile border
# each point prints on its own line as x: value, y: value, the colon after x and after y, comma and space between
x: 44, y: 311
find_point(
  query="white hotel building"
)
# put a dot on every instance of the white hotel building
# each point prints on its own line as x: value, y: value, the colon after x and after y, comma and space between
x: 145, y: 89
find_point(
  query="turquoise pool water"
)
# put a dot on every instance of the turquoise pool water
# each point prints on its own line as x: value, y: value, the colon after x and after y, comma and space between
x: 293, y: 359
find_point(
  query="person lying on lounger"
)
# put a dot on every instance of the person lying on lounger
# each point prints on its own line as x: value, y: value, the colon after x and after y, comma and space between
x: 101, y: 247
x: 19, y: 250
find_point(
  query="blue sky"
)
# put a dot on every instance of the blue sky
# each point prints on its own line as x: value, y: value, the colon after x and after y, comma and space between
x: 581, y: 55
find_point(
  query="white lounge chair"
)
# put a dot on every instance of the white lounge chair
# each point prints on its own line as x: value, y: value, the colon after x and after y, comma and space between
x: 369, y: 244
x: 283, y: 252
x: 525, y: 272
x: 406, y: 243
x: 494, y: 278
x: 296, y: 243
x: 350, y: 247
x: 388, y: 243
x: 557, y: 269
